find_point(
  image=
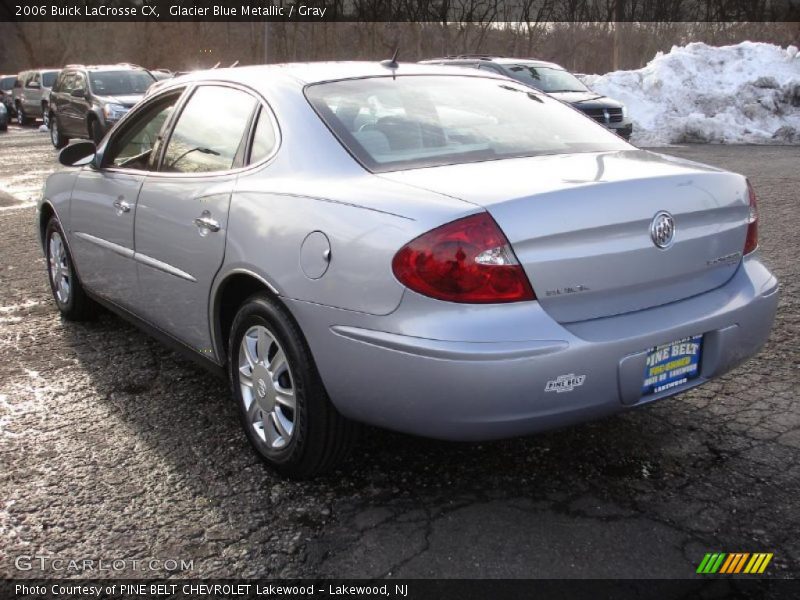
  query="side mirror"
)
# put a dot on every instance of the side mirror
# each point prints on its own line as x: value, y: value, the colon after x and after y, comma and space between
x: 34, y: 85
x: 79, y: 93
x: 77, y: 154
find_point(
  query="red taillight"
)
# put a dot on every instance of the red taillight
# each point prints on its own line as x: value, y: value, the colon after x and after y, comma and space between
x: 468, y: 260
x: 751, y: 242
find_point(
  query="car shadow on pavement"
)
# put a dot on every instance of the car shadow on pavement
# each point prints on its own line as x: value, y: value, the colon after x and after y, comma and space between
x: 175, y: 432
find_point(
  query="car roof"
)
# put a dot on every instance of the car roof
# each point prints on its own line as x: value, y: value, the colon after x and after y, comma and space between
x: 117, y: 67
x: 317, y: 72
x: 501, y: 60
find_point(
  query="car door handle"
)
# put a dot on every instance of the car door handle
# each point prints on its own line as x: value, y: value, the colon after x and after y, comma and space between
x: 204, y: 221
x: 122, y: 206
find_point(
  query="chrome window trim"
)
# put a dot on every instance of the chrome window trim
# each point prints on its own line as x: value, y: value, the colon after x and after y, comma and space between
x: 185, y: 96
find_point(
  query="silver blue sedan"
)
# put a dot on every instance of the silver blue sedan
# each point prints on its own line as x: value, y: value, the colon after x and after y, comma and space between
x: 435, y: 251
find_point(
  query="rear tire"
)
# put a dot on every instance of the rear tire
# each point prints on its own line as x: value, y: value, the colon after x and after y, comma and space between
x: 283, y: 406
x: 68, y: 293
x: 22, y: 118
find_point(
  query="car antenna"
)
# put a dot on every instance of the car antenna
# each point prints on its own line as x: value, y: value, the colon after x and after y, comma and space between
x: 392, y: 62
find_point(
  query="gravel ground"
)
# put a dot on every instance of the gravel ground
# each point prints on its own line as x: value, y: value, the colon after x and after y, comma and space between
x: 113, y: 447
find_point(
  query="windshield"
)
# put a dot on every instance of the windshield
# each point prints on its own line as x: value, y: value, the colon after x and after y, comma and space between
x: 49, y: 78
x: 421, y: 121
x: 547, y: 79
x: 120, y: 83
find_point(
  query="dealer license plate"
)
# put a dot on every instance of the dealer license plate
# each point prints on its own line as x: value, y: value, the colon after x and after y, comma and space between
x: 671, y: 365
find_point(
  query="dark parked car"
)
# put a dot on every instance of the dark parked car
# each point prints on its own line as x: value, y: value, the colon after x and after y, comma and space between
x: 87, y: 101
x: 7, y: 93
x: 554, y: 80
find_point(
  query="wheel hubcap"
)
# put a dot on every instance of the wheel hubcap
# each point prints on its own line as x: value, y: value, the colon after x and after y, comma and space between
x: 59, y: 268
x: 267, y: 386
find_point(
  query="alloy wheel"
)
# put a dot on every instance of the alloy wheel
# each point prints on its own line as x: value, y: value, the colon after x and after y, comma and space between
x: 60, y: 271
x: 267, y: 387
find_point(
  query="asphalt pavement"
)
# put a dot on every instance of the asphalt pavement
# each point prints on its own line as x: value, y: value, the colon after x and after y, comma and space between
x: 112, y: 447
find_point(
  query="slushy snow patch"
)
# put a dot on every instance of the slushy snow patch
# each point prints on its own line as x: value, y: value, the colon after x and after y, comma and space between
x: 743, y: 94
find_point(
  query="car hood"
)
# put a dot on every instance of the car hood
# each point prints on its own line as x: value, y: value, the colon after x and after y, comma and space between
x: 126, y: 101
x: 587, y: 99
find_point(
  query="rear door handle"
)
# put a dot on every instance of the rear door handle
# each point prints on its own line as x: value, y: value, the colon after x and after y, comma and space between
x: 205, y: 222
x: 122, y: 206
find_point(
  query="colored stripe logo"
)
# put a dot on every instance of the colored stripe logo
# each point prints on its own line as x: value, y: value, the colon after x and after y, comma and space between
x: 734, y: 563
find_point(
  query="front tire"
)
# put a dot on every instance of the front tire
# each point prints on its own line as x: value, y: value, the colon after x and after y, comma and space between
x: 56, y: 137
x: 68, y: 293
x: 95, y: 131
x: 283, y: 406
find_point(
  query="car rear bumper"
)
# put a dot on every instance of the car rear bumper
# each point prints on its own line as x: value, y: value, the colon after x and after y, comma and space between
x: 473, y: 373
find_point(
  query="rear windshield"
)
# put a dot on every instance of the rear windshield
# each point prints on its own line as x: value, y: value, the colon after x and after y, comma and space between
x: 49, y: 78
x: 120, y: 83
x: 422, y: 121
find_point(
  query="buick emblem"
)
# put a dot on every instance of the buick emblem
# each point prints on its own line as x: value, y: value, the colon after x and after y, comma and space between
x: 662, y: 229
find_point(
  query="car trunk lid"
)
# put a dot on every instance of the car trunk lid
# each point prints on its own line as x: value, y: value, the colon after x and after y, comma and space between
x: 580, y: 225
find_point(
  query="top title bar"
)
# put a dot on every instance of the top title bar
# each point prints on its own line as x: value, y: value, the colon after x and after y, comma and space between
x: 442, y: 11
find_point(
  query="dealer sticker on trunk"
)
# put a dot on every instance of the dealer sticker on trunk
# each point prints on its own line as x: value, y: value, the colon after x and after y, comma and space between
x: 671, y: 365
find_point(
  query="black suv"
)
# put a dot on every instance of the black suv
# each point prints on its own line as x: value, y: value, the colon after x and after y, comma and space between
x: 555, y: 81
x: 86, y: 101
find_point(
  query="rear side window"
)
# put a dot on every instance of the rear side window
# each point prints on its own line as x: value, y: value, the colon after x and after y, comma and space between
x: 263, y: 138
x: 49, y: 78
x: 7, y: 83
x: 423, y: 121
x: 210, y: 131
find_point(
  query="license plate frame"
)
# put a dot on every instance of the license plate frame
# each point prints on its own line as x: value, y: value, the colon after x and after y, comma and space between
x: 671, y: 365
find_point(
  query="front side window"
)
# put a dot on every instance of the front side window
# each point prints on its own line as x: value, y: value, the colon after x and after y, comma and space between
x: 137, y: 144
x: 78, y: 82
x: 210, y: 131
x: 120, y: 83
x: 423, y: 121
x: 547, y: 79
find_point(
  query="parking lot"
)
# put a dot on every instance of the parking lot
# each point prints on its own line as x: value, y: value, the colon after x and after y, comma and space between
x: 113, y: 447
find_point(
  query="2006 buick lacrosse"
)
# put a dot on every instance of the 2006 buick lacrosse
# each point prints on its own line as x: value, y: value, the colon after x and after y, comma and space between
x: 433, y: 251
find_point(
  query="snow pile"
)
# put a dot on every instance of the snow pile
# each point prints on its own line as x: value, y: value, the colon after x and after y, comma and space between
x: 743, y: 94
